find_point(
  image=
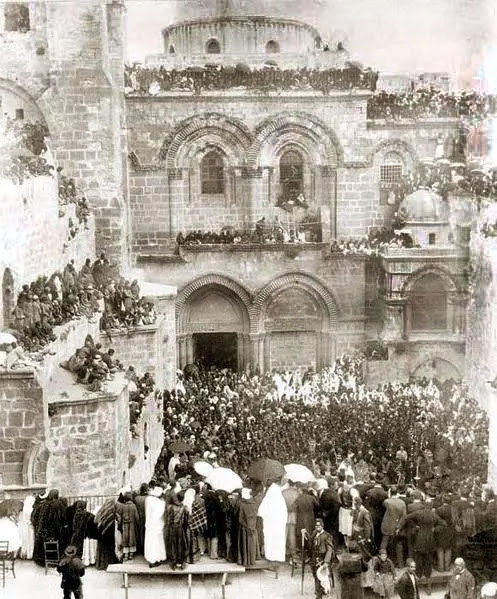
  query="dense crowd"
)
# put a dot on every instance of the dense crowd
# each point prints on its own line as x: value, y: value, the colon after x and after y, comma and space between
x: 489, y: 229
x: 52, y: 301
x: 430, y: 102
x: 142, y: 80
x: 390, y: 473
x: 289, y: 417
x: 445, y: 177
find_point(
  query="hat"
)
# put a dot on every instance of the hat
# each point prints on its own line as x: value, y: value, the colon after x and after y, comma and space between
x: 70, y: 551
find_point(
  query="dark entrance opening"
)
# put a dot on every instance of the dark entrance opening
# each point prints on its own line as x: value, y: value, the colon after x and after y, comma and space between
x: 216, y: 349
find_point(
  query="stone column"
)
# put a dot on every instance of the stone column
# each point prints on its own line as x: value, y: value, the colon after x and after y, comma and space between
x: 328, y: 202
x: 253, y: 178
x: 257, y: 351
x: 176, y: 200
x: 189, y: 349
x: 393, y: 321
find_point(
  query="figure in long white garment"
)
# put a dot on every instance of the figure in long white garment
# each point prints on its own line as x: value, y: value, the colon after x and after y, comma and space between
x: 274, y: 515
x: 155, y: 547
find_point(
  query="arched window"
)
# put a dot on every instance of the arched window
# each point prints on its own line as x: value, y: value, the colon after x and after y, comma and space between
x: 428, y: 302
x: 213, y: 47
x: 272, y: 47
x: 392, y: 168
x: 172, y: 50
x: 17, y: 17
x: 291, y: 174
x: 212, y: 173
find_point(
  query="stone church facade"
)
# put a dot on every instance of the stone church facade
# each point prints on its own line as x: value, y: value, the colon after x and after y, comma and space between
x: 153, y: 166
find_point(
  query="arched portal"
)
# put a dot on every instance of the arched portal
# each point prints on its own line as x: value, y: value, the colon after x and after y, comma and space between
x: 213, y: 328
x: 293, y: 323
x: 7, y: 296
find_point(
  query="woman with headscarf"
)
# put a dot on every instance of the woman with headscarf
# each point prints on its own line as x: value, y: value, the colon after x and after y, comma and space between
x: 128, y: 524
x: 49, y: 522
x: 81, y: 524
x: 155, y: 506
x: 248, y: 543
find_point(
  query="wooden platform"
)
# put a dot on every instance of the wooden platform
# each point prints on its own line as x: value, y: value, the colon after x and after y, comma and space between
x: 139, y: 567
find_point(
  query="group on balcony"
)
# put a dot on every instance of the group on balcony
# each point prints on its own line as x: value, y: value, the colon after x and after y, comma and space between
x: 140, y: 80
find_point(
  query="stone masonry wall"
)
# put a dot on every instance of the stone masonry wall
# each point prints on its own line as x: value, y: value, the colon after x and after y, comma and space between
x: 35, y: 237
x: 137, y: 348
x: 89, y: 444
x: 163, y: 203
x: 21, y: 422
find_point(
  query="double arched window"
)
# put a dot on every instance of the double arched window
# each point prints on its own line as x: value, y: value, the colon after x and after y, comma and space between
x: 212, y: 173
x: 212, y: 47
x: 428, y: 303
x: 291, y: 174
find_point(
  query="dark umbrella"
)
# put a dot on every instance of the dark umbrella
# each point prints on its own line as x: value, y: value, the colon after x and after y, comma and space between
x: 180, y: 447
x: 265, y: 469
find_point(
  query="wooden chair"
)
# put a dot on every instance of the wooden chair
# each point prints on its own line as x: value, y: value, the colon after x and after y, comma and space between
x: 7, y: 560
x: 52, y: 557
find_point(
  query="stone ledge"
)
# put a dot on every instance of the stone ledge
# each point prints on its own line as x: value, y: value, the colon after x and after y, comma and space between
x: 436, y: 253
x: 249, y: 247
x: 60, y: 395
x: 228, y: 94
x: 17, y: 374
x: 444, y: 122
x: 146, y: 329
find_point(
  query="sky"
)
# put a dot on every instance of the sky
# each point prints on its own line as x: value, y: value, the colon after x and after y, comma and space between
x: 393, y: 36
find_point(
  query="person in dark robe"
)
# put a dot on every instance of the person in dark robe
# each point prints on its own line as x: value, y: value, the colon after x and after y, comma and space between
x: 177, y: 531
x: 81, y: 524
x: 248, y: 546
x: 140, y: 506
x: 104, y: 521
x: 128, y: 525
x: 49, y: 522
x: 216, y: 523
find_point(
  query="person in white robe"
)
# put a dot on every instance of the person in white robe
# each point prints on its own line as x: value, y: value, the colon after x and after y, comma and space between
x: 155, y: 546
x: 9, y: 531
x: 26, y: 529
x: 274, y: 514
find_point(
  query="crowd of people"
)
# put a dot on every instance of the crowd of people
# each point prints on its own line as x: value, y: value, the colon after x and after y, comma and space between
x: 289, y: 417
x: 142, y: 80
x: 52, y: 301
x: 430, y: 102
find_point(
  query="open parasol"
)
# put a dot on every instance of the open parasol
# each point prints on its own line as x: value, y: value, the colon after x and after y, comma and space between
x: 224, y: 479
x: 265, y: 469
x: 298, y: 473
x: 180, y: 447
x: 203, y: 468
x: 7, y: 339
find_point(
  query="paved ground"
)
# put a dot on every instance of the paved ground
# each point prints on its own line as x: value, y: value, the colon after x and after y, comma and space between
x: 31, y: 583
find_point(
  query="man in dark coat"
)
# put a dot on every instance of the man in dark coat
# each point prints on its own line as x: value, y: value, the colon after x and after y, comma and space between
x: 72, y: 569
x: 322, y: 554
x: 395, y: 510
x: 407, y: 587
x: 374, y: 503
x: 329, y: 505
x: 425, y: 521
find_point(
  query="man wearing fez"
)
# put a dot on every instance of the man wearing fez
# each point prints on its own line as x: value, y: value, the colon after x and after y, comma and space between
x: 322, y: 555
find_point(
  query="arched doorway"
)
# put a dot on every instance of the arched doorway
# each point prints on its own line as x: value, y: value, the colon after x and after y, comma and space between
x: 7, y: 296
x: 213, y: 329
x: 294, y: 322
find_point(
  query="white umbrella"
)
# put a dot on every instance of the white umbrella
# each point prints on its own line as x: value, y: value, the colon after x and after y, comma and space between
x: 224, y: 479
x: 298, y: 473
x: 203, y: 468
x: 7, y: 339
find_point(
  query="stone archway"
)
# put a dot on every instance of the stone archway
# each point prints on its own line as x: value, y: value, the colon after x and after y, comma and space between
x: 7, y: 296
x: 295, y: 316
x: 213, y: 324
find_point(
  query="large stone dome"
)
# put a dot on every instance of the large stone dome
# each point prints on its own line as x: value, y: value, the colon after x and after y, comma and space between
x: 424, y: 205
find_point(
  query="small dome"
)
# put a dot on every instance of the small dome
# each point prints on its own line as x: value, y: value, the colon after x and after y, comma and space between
x: 424, y: 205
